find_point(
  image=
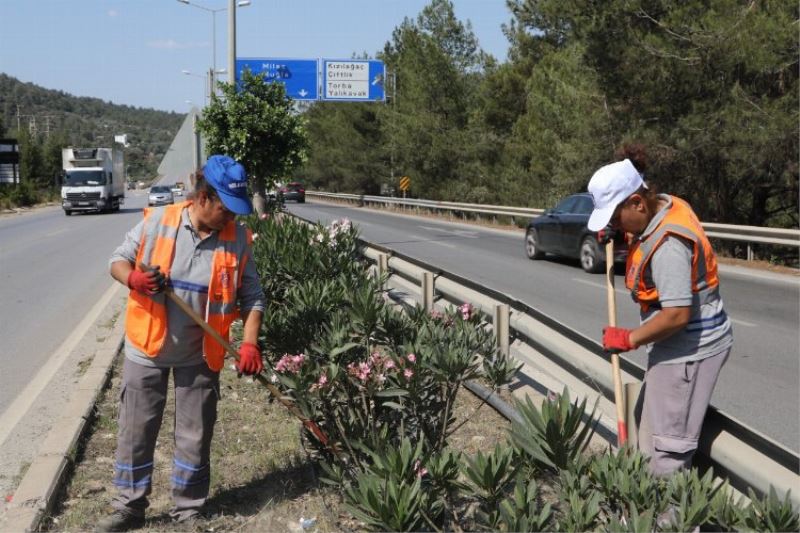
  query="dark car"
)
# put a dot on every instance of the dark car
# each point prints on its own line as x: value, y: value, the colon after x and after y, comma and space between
x: 294, y: 191
x: 562, y: 231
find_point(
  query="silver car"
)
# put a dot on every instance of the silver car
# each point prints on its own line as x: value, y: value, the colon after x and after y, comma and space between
x: 160, y: 195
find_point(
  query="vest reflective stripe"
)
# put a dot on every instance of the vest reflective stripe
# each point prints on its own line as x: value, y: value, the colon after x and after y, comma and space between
x: 147, y: 315
x: 681, y: 221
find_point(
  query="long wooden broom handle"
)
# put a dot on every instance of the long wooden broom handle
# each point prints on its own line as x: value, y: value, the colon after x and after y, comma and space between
x: 310, y: 424
x: 622, y: 430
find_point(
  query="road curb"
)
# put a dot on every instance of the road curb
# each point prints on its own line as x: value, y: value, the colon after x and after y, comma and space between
x: 39, y: 488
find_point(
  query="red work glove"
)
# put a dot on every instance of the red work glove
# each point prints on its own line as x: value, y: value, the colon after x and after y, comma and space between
x: 617, y: 339
x: 249, y: 359
x: 147, y: 282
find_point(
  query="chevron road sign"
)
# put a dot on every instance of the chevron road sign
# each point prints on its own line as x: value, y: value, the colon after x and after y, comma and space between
x: 405, y: 183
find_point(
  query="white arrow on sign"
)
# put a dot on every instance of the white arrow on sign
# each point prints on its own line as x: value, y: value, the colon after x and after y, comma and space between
x: 303, y: 93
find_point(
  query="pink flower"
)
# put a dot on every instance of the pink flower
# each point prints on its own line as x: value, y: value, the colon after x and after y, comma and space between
x: 435, y: 314
x: 466, y: 311
x: 264, y: 216
x: 389, y: 365
x: 419, y: 469
x: 290, y: 363
x: 411, y: 358
x: 361, y: 371
x: 321, y: 382
x: 408, y: 373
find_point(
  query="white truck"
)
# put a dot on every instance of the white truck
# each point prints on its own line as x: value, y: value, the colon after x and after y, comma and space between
x: 93, y: 180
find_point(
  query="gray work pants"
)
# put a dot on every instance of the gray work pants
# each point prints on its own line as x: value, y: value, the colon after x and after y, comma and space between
x: 670, y: 410
x: 143, y: 396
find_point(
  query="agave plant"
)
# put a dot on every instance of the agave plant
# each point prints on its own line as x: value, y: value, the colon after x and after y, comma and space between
x: 770, y: 513
x: 632, y: 521
x: 523, y: 510
x: 690, y: 496
x: 580, y: 503
x: 625, y: 479
x: 391, y: 495
x: 555, y: 435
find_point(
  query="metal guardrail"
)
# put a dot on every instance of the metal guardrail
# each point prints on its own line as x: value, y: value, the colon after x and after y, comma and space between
x: 748, y: 234
x: 745, y: 456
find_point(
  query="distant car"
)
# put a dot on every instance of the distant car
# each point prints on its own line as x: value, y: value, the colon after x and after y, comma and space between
x: 176, y: 190
x: 294, y: 191
x: 562, y: 231
x: 160, y: 195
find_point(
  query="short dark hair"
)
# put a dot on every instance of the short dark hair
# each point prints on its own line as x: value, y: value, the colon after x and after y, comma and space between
x: 201, y: 185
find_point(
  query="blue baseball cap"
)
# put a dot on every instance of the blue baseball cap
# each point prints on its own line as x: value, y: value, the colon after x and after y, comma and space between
x: 229, y: 179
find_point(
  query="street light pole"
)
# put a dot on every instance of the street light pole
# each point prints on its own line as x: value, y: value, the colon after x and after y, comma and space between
x: 232, y: 4
x: 232, y: 41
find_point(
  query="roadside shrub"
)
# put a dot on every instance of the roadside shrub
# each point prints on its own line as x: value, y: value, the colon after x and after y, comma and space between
x: 382, y: 384
x: 770, y: 513
x: 491, y: 475
x: 376, y: 381
x: 23, y: 194
x: 556, y: 435
x: 625, y: 480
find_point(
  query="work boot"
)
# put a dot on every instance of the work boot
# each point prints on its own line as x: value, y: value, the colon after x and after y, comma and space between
x: 119, y: 521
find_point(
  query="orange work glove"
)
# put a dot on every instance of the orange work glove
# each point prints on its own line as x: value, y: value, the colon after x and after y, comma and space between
x: 617, y: 340
x: 249, y: 359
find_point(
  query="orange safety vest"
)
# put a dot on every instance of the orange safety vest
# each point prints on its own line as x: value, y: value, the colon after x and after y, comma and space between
x: 146, y: 318
x: 680, y: 220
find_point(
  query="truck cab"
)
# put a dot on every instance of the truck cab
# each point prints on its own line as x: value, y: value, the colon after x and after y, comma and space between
x: 93, y: 179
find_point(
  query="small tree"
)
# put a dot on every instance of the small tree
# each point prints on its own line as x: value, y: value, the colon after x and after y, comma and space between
x: 253, y: 122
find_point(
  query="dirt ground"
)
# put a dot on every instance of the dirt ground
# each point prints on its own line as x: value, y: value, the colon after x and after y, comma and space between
x: 261, y: 478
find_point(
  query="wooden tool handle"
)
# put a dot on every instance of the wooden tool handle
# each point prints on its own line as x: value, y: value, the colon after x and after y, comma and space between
x: 611, y: 296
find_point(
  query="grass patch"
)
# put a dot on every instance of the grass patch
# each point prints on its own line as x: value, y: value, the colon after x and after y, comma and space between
x: 261, y: 478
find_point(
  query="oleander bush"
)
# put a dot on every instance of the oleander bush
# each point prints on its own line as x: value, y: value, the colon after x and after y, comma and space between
x: 381, y: 384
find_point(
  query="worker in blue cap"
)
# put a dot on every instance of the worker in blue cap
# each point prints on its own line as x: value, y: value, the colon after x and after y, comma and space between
x: 205, y: 256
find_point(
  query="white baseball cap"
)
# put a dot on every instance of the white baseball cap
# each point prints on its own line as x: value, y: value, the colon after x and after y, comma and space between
x: 610, y: 186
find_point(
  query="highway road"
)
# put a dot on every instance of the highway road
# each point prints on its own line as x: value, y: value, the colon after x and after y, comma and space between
x: 759, y: 384
x: 53, y: 270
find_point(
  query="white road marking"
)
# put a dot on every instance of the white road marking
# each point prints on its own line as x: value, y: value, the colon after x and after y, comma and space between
x: 625, y: 292
x: 23, y: 402
x: 57, y: 232
x: 445, y: 244
x: 599, y: 285
x: 456, y: 232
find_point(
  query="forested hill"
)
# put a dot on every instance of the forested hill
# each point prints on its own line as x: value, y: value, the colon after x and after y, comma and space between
x: 50, y: 119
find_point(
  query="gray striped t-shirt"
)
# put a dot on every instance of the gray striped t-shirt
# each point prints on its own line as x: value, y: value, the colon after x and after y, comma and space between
x: 709, y: 330
x: 191, y: 270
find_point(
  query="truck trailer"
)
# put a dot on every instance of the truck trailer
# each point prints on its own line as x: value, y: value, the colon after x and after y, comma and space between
x: 93, y: 180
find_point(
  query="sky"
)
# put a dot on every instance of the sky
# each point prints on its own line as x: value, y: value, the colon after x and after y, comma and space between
x: 134, y: 51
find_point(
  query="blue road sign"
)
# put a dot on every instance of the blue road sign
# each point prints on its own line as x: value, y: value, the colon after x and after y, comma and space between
x: 353, y: 80
x: 298, y: 75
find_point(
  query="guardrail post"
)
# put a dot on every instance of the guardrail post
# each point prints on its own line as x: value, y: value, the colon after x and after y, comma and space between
x: 383, y: 267
x: 501, y: 313
x: 427, y: 291
x: 749, y: 252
